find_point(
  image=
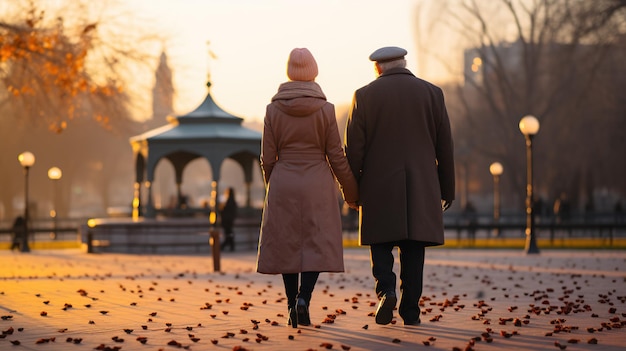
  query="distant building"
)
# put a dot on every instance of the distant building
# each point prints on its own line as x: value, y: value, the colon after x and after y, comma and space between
x: 481, y: 62
x: 162, y: 94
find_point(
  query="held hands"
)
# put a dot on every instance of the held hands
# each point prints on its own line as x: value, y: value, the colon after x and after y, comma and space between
x: 445, y: 204
x: 353, y: 205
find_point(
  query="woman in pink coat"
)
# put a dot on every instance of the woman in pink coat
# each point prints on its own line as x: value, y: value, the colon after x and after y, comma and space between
x: 302, y: 159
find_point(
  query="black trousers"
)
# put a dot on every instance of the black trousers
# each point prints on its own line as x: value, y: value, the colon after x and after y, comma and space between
x: 411, y: 254
x: 229, y: 236
x: 307, y: 284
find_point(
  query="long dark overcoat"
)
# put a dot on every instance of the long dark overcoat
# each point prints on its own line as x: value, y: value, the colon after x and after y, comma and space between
x: 399, y: 146
x: 302, y: 158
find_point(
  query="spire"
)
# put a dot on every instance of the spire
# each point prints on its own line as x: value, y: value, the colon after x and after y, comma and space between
x: 212, y: 56
x: 163, y: 90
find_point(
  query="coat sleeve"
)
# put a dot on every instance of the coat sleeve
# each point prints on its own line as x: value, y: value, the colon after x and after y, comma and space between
x: 355, y: 138
x: 269, y: 154
x: 445, y: 152
x: 337, y: 158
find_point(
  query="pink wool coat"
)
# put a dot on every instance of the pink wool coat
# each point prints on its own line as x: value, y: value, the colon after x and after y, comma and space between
x: 302, y: 159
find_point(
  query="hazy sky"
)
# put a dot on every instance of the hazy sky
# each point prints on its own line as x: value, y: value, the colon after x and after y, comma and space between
x: 252, y: 40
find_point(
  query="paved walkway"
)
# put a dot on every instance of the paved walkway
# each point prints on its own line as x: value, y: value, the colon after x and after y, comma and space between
x: 473, y: 300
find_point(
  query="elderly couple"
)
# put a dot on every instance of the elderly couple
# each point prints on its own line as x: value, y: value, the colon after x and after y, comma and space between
x: 397, y: 170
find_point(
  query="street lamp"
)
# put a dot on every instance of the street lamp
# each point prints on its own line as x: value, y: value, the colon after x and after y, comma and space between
x: 496, y: 170
x: 54, y: 174
x: 27, y: 160
x: 529, y: 126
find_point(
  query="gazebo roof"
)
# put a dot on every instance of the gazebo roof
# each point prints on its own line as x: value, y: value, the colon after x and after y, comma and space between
x: 208, y: 109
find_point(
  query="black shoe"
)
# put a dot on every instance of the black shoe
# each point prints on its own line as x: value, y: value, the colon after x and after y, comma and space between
x: 384, y: 312
x: 417, y: 322
x: 303, y: 312
x: 293, y: 318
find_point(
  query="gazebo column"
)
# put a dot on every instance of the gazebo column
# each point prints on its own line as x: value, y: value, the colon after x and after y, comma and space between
x: 136, y: 201
x: 136, y: 209
x: 179, y: 195
x: 179, y: 164
x: 215, y: 197
x: 150, y: 212
x: 247, y: 174
x: 214, y: 205
x: 248, y: 192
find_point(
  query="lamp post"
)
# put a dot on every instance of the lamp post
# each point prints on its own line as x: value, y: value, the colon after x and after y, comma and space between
x: 496, y: 170
x: 54, y: 174
x: 27, y: 160
x: 529, y: 126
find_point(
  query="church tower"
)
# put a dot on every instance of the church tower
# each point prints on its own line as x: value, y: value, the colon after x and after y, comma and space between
x: 162, y: 93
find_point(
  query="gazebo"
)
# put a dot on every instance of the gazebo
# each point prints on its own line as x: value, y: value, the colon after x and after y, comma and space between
x: 209, y: 132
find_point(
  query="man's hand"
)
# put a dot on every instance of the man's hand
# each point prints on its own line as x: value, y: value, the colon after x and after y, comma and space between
x: 445, y: 204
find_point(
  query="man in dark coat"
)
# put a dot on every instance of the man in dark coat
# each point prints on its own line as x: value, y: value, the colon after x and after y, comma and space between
x: 399, y: 146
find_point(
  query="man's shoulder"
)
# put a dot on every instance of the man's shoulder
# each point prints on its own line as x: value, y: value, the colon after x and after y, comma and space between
x: 387, y: 81
x: 362, y: 90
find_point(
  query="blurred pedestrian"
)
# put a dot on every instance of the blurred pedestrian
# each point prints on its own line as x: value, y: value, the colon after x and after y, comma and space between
x: 562, y: 211
x: 18, y: 233
x: 471, y: 221
x: 302, y: 159
x: 399, y: 146
x: 228, y: 214
x: 618, y: 211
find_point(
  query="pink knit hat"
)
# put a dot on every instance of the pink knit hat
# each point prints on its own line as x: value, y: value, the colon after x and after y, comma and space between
x: 301, y: 65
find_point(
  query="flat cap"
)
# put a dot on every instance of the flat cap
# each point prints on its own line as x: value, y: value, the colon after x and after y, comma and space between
x: 388, y: 53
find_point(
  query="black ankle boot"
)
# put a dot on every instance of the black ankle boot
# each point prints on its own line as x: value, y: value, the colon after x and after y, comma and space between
x: 293, y: 318
x: 302, y: 309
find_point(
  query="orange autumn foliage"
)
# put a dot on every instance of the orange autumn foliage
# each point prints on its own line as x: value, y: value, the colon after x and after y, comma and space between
x: 45, y: 72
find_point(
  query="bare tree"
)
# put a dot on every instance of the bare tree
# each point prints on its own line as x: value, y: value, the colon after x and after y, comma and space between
x: 557, y: 60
